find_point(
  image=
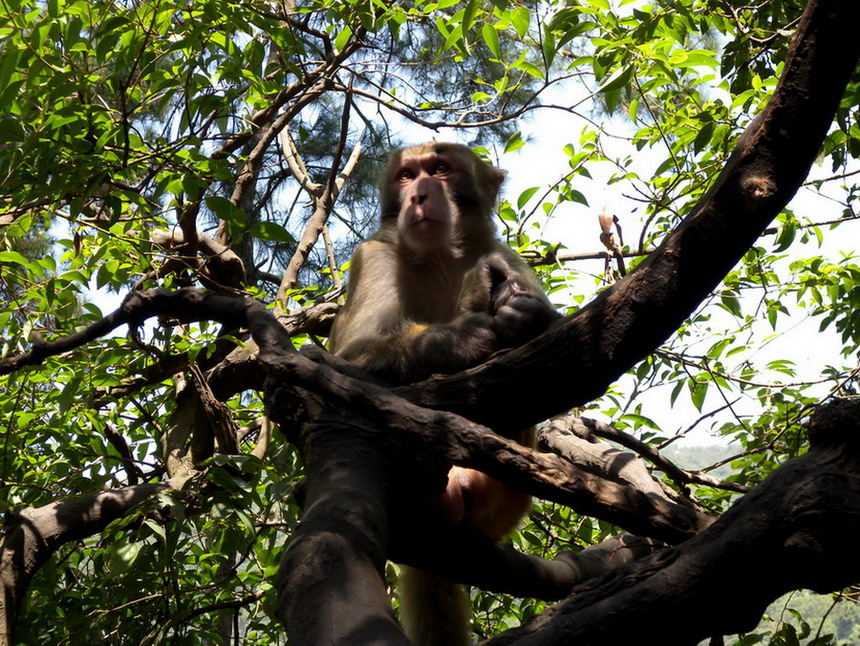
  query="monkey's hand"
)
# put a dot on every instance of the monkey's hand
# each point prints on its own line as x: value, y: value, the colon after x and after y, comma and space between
x: 438, y: 348
x: 519, y: 314
x: 475, y: 334
x: 419, y: 350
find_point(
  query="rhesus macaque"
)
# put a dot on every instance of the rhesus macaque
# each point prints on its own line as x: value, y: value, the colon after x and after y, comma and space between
x: 434, y: 291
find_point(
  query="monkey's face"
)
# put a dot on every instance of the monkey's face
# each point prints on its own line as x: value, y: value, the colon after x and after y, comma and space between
x: 425, y: 186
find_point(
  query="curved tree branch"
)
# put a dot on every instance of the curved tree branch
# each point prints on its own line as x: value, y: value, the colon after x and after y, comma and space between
x: 576, y: 361
x: 796, y: 530
x: 31, y: 536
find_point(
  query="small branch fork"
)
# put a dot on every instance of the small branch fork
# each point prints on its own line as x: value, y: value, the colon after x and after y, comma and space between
x: 796, y: 530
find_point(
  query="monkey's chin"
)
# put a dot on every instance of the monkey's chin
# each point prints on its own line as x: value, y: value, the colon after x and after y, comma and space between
x: 427, y: 235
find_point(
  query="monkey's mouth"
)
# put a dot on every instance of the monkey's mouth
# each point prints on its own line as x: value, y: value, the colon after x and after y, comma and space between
x: 421, y: 221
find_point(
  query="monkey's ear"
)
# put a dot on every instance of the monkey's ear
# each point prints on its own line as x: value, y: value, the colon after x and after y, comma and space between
x: 492, y: 183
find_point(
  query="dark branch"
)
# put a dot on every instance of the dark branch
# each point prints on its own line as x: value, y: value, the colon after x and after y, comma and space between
x: 796, y: 530
x: 469, y: 559
x: 577, y: 360
x: 32, y: 535
x: 405, y: 429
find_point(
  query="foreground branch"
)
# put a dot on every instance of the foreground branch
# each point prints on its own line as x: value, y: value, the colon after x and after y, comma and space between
x: 577, y: 361
x: 796, y: 530
x: 318, y: 396
x: 369, y: 454
x: 31, y: 536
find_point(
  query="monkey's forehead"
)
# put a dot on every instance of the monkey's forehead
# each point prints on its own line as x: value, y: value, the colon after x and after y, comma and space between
x: 458, y: 154
x: 435, y: 147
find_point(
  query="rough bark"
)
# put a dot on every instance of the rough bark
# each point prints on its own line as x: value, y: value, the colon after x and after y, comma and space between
x: 31, y: 536
x: 569, y: 366
x: 420, y: 445
x: 578, y: 360
x: 364, y: 446
x: 796, y: 530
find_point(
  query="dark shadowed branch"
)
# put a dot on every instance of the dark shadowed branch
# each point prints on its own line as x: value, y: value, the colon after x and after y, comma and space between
x: 370, y: 453
x: 568, y: 366
x: 577, y: 361
x: 31, y: 536
x: 796, y: 530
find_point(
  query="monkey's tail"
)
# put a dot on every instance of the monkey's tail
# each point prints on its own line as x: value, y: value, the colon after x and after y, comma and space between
x: 433, y: 610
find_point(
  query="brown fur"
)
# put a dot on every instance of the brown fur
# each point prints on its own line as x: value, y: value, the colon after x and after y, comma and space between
x: 433, y: 291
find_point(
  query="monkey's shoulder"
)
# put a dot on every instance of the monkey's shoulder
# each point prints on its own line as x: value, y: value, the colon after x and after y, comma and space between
x: 377, y: 249
x: 373, y: 272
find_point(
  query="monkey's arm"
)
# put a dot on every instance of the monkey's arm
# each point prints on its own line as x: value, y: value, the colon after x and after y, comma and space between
x: 373, y: 332
x: 406, y: 356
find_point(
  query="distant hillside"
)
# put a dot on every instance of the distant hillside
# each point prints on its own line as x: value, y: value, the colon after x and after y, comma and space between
x: 693, y: 458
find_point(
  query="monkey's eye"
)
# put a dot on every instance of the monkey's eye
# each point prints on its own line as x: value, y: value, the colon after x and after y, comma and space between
x: 442, y: 168
x: 404, y: 175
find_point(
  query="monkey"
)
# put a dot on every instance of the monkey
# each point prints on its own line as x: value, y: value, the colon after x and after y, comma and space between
x: 434, y: 291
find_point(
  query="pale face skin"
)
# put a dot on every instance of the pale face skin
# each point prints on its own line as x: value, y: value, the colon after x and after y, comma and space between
x: 426, y: 217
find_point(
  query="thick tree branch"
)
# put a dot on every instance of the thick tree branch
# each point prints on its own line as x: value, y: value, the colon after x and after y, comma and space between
x: 577, y: 360
x: 345, y: 520
x: 796, y: 530
x: 355, y: 438
x: 185, y: 305
x: 568, y: 437
x: 588, y: 428
x: 31, y: 536
x: 470, y: 559
x: 440, y: 439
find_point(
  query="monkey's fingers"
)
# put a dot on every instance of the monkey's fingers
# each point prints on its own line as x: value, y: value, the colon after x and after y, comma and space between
x: 507, y: 291
x: 521, y: 319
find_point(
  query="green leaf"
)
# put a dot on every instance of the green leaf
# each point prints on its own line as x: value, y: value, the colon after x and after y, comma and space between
x: 549, y: 47
x: 640, y: 420
x: 342, y: 38
x: 124, y: 556
x: 14, y: 256
x: 271, y: 232
x: 575, y: 196
x: 698, y: 58
x: 526, y: 195
x: 732, y: 304
x: 618, y: 79
x: 673, y: 397
x: 221, y: 478
x: 703, y: 138
x: 225, y: 210
x: 514, y: 142
x: 520, y: 19
x: 786, y: 234
x: 66, y: 398
x: 468, y: 16
x: 698, y: 390
x: 73, y: 32
x: 491, y: 39
x: 156, y: 528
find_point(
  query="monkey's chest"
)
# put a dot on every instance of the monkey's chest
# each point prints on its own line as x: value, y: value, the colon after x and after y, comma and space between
x: 428, y: 307
x: 431, y: 300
